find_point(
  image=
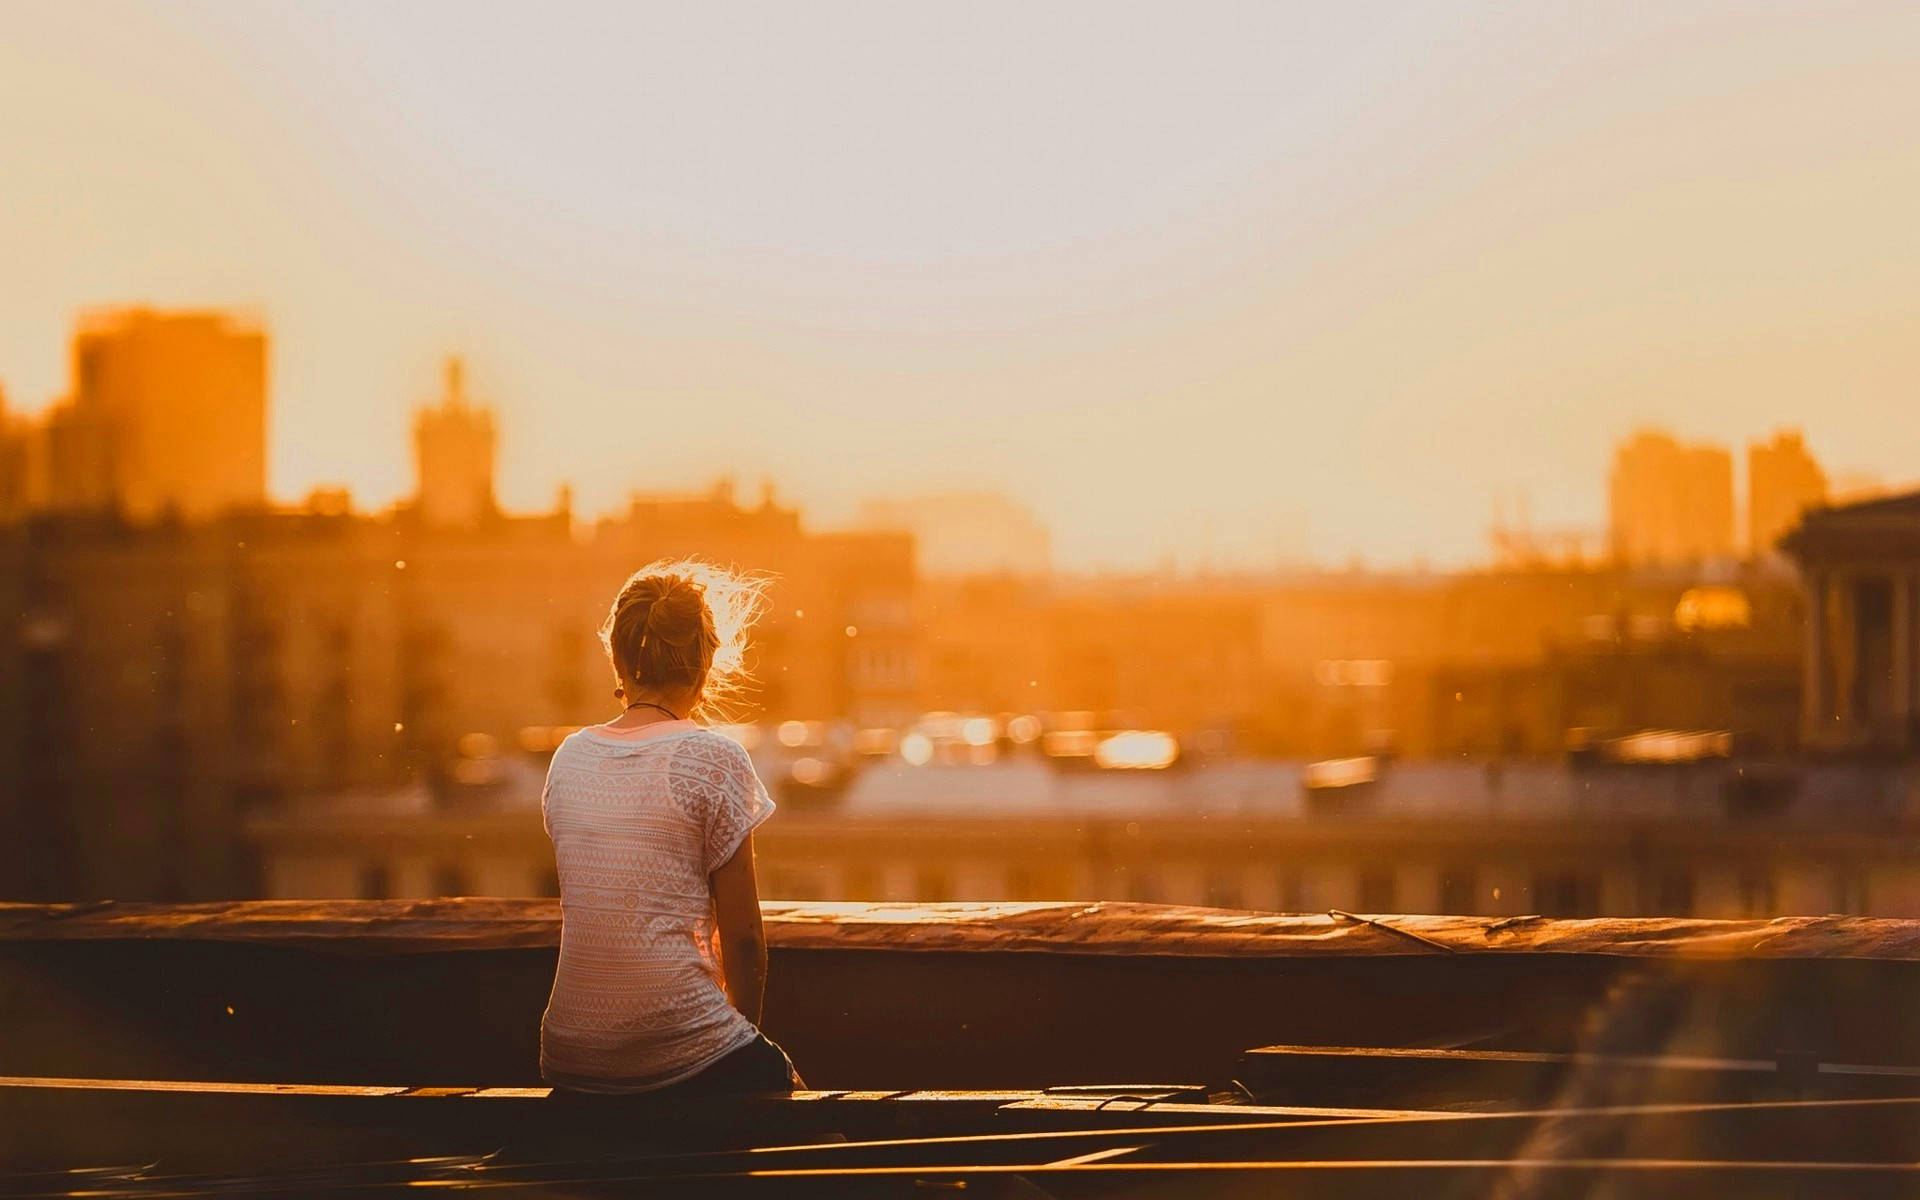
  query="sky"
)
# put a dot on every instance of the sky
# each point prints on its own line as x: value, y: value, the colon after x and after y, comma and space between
x: 1210, y: 284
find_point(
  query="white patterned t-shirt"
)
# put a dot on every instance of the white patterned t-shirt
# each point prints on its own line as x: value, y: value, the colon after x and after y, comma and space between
x: 638, y: 822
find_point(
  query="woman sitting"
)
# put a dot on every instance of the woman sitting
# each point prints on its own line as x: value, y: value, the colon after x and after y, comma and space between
x: 663, y: 962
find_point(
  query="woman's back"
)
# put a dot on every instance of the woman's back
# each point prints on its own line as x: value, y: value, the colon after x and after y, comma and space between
x: 639, y: 820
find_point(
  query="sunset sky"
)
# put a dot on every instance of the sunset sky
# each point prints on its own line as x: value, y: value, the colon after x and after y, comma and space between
x: 1211, y: 281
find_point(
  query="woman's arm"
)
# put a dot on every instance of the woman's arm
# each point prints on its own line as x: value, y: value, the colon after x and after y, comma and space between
x: 743, y: 942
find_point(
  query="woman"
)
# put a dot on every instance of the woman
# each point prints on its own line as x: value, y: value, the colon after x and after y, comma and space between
x: 663, y: 963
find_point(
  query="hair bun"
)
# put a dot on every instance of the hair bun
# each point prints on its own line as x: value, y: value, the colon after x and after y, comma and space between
x: 674, y: 624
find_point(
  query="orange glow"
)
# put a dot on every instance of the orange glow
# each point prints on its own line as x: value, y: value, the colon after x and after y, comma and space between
x: 1069, y: 743
x: 1137, y: 750
x: 1712, y: 608
x: 1417, y: 417
x: 1560, y: 229
x: 917, y: 748
x: 1670, y: 746
x: 1340, y: 773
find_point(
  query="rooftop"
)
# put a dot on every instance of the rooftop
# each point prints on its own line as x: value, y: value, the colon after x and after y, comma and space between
x: 1824, y: 795
x: 300, y: 1047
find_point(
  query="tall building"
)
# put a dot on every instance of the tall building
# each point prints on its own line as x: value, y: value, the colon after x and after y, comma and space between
x: 16, y: 443
x: 1670, y: 503
x: 1783, y: 481
x: 167, y: 416
x: 453, y: 448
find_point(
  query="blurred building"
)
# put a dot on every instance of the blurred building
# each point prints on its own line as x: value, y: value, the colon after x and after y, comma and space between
x: 164, y: 678
x: 1783, y: 481
x: 1715, y: 837
x: 17, y: 437
x: 1861, y: 564
x: 840, y: 634
x: 166, y: 417
x: 159, y: 681
x: 453, y: 449
x: 160, y: 678
x: 1482, y: 664
x: 1518, y: 545
x: 1669, y: 503
x: 967, y: 533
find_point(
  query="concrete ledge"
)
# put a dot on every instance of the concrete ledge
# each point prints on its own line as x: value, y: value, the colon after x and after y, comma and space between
x: 1106, y: 928
x: 450, y: 992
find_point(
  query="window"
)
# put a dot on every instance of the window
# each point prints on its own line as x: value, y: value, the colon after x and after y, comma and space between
x: 860, y: 883
x: 931, y: 885
x: 1849, y: 892
x: 376, y: 881
x: 1567, y: 894
x: 1457, y: 892
x: 567, y: 652
x: 1019, y: 884
x: 1143, y: 887
x: 789, y: 884
x: 1223, y: 890
x: 1671, y: 895
x: 1376, y: 892
x: 1038, y: 883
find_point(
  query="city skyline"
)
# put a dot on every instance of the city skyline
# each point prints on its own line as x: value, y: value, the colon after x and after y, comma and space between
x: 144, y: 379
x: 1152, y: 277
x: 783, y: 593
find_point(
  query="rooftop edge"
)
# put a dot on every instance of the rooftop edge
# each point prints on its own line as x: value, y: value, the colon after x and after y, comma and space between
x: 1095, y: 928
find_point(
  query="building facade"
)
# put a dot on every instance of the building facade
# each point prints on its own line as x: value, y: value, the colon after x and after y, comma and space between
x: 166, y: 417
x: 1483, y: 664
x: 1670, y: 503
x: 179, y: 654
x: 1729, y: 838
x: 17, y: 438
x: 1861, y: 567
x: 967, y: 534
x: 162, y: 680
x: 453, y: 454
x: 1783, y: 482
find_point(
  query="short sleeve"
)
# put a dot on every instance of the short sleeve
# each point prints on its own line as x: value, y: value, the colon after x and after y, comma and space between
x: 546, y: 793
x: 737, y: 804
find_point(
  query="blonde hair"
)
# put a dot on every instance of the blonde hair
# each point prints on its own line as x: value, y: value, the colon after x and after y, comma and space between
x: 678, y: 621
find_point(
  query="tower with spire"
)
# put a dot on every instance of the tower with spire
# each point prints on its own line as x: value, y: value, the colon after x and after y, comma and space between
x: 453, y: 449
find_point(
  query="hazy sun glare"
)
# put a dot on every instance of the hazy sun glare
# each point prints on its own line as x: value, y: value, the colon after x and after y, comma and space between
x: 1225, y: 281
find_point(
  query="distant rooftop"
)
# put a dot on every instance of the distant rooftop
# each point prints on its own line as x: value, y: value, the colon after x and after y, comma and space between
x: 1259, y: 791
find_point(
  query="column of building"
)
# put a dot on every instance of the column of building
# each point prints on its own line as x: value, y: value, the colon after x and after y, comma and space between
x: 1905, y: 586
x: 1816, y: 701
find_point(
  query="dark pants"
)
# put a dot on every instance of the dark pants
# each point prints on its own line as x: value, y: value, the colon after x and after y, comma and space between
x: 759, y: 1066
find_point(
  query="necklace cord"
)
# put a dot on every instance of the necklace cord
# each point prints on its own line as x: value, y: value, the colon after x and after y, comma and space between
x: 658, y: 707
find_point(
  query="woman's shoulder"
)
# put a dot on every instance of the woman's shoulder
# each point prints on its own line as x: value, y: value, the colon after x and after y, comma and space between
x: 704, y: 757
x: 702, y: 742
x: 692, y: 742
